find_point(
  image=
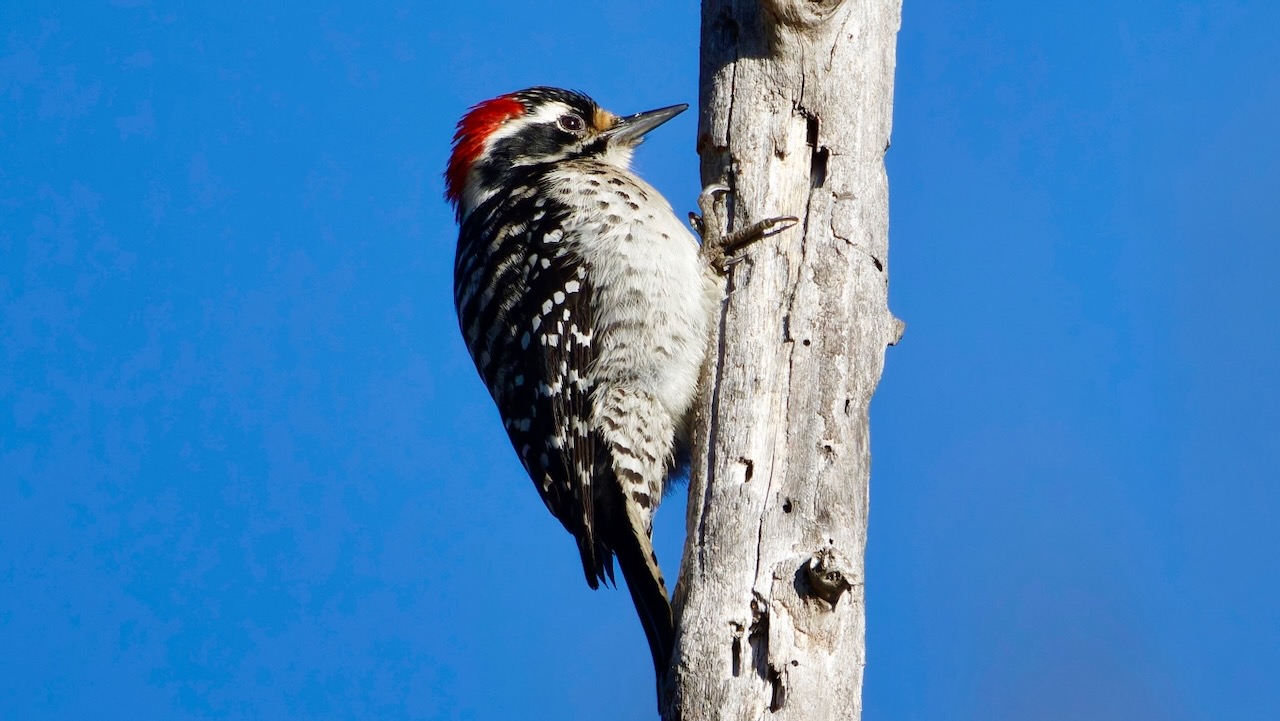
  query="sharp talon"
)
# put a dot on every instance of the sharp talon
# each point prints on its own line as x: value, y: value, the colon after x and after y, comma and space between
x: 706, y: 203
x: 765, y: 228
x: 715, y: 189
x: 773, y: 226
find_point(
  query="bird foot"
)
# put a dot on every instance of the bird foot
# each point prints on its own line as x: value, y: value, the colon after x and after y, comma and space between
x: 718, y: 245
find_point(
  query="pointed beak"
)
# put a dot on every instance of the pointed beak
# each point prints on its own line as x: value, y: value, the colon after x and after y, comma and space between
x: 630, y: 130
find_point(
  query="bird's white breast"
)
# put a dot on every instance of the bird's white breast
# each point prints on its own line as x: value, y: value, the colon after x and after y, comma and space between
x: 653, y: 301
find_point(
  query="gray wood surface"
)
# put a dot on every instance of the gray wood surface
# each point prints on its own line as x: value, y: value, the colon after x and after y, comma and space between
x: 796, y: 100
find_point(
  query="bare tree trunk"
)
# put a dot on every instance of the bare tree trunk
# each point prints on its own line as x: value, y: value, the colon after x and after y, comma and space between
x: 796, y: 104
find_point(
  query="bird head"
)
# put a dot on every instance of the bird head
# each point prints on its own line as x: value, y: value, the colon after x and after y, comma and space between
x: 537, y: 126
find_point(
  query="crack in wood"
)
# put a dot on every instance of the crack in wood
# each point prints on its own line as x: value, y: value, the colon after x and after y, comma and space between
x: 819, y: 155
x: 736, y: 650
x: 777, y: 690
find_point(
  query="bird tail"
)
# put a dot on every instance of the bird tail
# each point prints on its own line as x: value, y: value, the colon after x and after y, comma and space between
x: 634, y: 551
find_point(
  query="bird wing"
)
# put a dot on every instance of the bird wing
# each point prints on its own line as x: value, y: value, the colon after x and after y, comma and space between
x: 558, y: 299
x: 524, y: 303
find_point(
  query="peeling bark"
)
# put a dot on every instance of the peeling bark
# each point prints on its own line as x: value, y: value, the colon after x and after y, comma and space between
x: 796, y: 101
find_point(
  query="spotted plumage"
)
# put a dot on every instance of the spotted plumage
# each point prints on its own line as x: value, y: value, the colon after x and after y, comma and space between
x: 587, y: 311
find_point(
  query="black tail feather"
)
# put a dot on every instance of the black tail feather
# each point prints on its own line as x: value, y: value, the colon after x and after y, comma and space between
x: 597, y: 561
x: 649, y: 594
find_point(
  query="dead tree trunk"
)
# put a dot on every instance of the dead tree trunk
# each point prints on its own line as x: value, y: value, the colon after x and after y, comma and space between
x: 796, y: 101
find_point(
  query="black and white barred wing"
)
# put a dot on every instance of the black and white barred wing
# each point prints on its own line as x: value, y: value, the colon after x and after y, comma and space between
x: 537, y: 373
x: 560, y: 299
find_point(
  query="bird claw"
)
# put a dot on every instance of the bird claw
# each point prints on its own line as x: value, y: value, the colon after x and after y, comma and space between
x: 717, y: 245
x: 707, y: 198
x: 706, y: 204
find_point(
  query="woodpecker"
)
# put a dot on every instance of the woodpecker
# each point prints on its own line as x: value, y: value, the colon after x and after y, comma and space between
x: 587, y: 308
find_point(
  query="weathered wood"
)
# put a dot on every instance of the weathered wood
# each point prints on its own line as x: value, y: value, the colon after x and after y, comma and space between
x: 796, y: 99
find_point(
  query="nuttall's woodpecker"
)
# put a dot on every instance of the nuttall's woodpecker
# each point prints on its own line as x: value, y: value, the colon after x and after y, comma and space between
x: 587, y: 307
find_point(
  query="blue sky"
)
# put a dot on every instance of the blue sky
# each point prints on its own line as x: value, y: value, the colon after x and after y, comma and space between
x: 247, y: 470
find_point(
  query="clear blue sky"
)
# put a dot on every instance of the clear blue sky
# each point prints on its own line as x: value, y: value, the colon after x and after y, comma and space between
x: 247, y: 470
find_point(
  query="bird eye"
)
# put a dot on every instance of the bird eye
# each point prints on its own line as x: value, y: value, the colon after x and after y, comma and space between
x: 571, y: 122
